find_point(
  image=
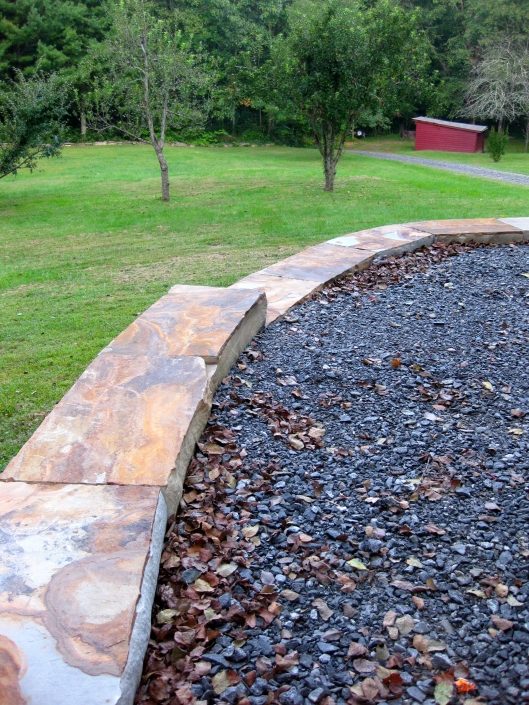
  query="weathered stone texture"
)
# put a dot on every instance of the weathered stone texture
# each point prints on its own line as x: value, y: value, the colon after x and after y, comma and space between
x: 320, y: 263
x: 281, y: 292
x: 127, y: 420
x: 388, y: 240
x: 485, y: 230
x: 72, y: 566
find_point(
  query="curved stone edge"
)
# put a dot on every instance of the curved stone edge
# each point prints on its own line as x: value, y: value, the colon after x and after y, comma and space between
x: 135, y: 414
x: 214, y: 348
x: 291, y: 281
x: 141, y: 630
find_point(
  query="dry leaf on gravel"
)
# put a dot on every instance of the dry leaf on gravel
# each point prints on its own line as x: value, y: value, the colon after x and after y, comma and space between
x: 405, y: 624
x: 426, y: 645
x: 389, y: 618
x: 224, y: 680
x: 443, y: 692
x: 166, y: 616
x: 290, y: 595
x: 363, y: 665
x: 296, y: 442
x: 502, y: 624
x: 287, y: 661
x: 371, y: 688
x: 501, y: 590
x: 465, y: 686
x: 203, y: 586
x: 323, y: 608
x: 356, y: 649
x: 226, y: 569
x: 250, y: 531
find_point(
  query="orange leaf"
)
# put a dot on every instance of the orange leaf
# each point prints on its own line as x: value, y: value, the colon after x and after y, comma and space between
x: 464, y: 686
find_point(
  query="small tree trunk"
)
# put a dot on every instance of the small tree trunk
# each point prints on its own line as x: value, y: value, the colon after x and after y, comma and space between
x: 270, y: 126
x: 527, y: 135
x: 164, y: 172
x: 330, y: 173
x: 329, y: 164
x: 330, y: 160
x: 83, y: 124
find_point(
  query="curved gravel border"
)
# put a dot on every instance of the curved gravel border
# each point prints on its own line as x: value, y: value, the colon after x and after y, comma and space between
x: 508, y: 177
x: 354, y: 523
x: 156, y: 381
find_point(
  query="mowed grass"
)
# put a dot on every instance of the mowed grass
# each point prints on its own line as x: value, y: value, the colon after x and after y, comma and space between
x: 86, y: 244
x: 515, y: 159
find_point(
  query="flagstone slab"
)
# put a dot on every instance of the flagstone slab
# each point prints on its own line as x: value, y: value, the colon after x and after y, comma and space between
x: 281, y: 292
x: 213, y: 323
x: 519, y: 223
x: 485, y: 230
x: 321, y: 263
x: 388, y: 240
x: 78, y: 570
x: 132, y: 418
x: 196, y: 321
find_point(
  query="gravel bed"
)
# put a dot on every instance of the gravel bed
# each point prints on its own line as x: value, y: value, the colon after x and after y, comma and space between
x: 354, y: 522
x: 508, y: 177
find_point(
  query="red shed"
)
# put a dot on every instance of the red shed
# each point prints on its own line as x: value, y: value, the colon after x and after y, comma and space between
x: 447, y: 136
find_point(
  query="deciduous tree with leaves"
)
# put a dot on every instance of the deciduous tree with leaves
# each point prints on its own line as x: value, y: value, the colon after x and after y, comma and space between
x: 149, y: 80
x: 32, y: 111
x: 339, y: 59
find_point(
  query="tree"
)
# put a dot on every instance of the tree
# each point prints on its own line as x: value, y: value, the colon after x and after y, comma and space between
x: 237, y: 35
x: 32, y: 111
x: 499, y: 86
x: 339, y: 59
x: 149, y: 82
x: 50, y: 36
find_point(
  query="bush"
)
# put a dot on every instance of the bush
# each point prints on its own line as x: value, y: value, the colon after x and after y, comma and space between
x: 497, y: 143
x: 204, y: 138
x: 254, y: 135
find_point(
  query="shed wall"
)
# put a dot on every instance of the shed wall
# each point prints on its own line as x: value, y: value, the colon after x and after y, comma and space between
x: 447, y: 139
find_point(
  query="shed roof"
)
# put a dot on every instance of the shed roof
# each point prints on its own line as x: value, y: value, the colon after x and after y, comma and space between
x: 456, y: 125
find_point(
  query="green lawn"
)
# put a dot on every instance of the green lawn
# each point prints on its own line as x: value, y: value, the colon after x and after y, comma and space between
x: 86, y: 244
x: 515, y: 158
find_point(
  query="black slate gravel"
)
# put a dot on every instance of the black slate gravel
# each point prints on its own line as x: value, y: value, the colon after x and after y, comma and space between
x: 395, y: 543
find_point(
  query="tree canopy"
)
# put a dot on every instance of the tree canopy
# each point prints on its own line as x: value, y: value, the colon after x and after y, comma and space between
x: 422, y: 57
x: 342, y: 58
x: 31, y: 121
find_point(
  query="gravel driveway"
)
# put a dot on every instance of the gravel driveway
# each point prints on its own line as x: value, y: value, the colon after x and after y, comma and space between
x: 508, y: 177
x: 354, y: 524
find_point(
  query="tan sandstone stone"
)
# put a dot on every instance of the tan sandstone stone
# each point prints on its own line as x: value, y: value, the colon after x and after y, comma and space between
x: 484, y: 230
x: 386, y: 241
x: 129, y: 419
x: 321, y: 263
x: 281, y: 292
x: 78, y: 572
